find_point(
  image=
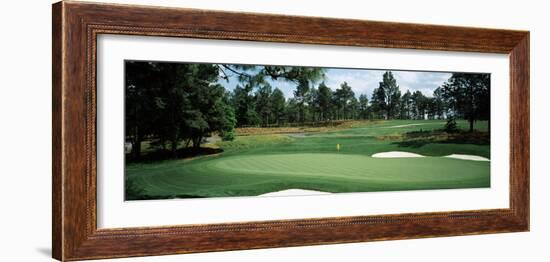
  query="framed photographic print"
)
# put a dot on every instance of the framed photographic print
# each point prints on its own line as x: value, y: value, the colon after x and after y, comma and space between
x: 182, y: 130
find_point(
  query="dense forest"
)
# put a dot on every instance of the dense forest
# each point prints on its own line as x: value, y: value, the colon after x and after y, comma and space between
x: 173, y: 103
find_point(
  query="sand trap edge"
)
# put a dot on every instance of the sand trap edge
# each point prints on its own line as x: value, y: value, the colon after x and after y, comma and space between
x: 295, y: 192
x: 468, y: 157
x: 395, y: 154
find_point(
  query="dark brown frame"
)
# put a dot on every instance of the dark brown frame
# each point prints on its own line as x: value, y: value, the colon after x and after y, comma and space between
x: 75, y: 29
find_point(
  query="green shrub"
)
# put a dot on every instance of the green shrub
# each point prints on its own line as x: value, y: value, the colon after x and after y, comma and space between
x: 228, y: 136
x: 450, y: 126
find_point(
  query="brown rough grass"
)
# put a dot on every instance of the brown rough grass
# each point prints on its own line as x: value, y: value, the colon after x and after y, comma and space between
x: 306, y: 128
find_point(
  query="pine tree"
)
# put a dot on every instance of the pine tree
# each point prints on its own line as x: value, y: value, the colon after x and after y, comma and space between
x: 324, y: 100
x: 468, y: 95
x: 363, y: 106
x: 392, y: 94
x: 278, y: 106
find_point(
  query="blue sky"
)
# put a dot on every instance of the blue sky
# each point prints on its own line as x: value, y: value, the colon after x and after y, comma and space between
x: 364, y: 81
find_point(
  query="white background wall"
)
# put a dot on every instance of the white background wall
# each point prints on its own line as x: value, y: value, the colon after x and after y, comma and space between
x: 25, y: 124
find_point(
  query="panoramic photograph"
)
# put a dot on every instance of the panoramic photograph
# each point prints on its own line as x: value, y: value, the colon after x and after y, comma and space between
x: 201, y: 130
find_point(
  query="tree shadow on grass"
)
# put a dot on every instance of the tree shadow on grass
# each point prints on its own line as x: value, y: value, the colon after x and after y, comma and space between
x: 181, y: 153
x: 421, y: 138
x: 134, y: 191
x: 413, y: 143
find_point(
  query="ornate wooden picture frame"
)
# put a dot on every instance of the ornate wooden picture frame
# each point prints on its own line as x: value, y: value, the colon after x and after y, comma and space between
x: 76, y: 26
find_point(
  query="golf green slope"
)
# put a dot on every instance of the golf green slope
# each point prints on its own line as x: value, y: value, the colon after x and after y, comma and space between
x: 253, y: 175
x: 254, y: 165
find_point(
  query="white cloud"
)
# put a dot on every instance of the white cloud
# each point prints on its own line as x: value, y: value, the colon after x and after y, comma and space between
x: 365, y: 81
x: 425, y: 82
x: 361, y: 81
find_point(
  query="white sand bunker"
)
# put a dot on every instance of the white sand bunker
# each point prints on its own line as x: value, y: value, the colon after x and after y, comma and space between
x: 295, y: 192
x: 404, y: 125
x: 396, y: 154
x: 400, y: 154
x: 468, y: 157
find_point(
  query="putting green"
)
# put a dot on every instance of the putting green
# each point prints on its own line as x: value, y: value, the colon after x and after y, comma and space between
x: 256, y: 164
x: 338, y: 165
x: 250, y: 175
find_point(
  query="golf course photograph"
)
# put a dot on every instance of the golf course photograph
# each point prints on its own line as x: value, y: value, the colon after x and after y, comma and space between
x: 202, y: 130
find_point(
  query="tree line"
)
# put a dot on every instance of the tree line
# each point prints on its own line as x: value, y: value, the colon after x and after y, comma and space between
x: 463, y: 96
x: 172, y: 103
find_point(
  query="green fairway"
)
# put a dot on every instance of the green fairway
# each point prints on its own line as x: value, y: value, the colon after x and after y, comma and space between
x: 256, y: 164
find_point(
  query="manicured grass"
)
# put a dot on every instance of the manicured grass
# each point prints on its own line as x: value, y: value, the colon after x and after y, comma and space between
x: 257, y: 164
